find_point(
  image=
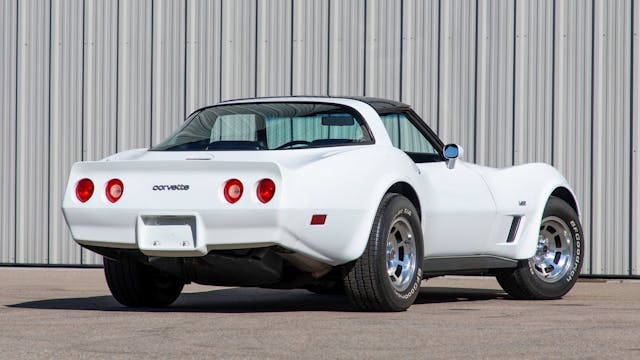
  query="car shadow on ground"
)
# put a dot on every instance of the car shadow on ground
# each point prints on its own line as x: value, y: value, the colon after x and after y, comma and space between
x: 248, y: 300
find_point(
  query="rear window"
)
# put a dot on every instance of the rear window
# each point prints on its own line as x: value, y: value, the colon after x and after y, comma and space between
x: 269, y: 126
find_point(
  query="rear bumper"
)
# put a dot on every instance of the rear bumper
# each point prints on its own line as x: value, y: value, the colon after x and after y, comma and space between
x: 195, y: 233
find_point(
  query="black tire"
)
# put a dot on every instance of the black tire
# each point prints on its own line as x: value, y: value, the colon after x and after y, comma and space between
x: 562, y: 238
x: 367, y: 282
x: 135, y: 284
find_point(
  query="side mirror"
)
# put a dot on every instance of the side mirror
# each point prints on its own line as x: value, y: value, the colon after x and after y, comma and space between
x: 451, y: 153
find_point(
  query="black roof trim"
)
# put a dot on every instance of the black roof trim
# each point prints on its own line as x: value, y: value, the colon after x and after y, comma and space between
x: 379, y: 105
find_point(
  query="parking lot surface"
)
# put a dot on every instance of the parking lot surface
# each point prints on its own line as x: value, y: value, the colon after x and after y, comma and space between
x: 69, y: 313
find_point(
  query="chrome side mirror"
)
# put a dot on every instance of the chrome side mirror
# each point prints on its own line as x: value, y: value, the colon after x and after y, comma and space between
x: 451, y: 153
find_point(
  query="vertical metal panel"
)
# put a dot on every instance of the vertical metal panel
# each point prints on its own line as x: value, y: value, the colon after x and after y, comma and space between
x: 534, y: 87
x: 273, y: 76
x: 310, y: 47
x: 572, y: 112
x: 100, y: 86
x: 383, y: 49
x: 635, y: 159
x: 494, y: 89
x: 134, y: 74
x: 611, y: 138
x: 346, y: 44
x: 168, y: 58
x: 33, y: 132
x: 457, y: 74
x: 100, y: 78
x: 65, y: 126
x: 203, y: 54
x: 238, y: 71
x: 420, y: 58
x: 8, y: 57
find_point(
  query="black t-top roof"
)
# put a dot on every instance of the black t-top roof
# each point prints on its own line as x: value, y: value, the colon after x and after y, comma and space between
x: 381, y: 106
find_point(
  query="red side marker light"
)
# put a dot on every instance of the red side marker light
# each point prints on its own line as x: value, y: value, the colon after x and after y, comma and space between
x: 318, y: 219
x: 265, y: 191
x: 84, y: 190
x: 233, y: 190
x: 115, y: 188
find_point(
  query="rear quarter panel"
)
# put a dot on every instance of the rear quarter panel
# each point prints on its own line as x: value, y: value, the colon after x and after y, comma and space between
x: 347, y: 187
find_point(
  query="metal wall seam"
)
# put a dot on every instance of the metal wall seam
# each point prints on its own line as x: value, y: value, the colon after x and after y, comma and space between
x: 533, y: 81
x: 238, y: 49
x: 33, y: 132
x: 134, y: 72
x: 419, y: 58
x: 457, y: 78
x: 346, y: 75
x: 8, y: 74
x: 168, y: 68
x: 635, y: 145
x: 310, y: 48
x: 611, y: 139
x: 273, y: 63
x: 65, y: 145
x: 494, y: 79
x: 383, y: 50
x: 572, y: 130
x: 203, y: 54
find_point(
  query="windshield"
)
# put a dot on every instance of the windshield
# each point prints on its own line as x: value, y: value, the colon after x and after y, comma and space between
x: 269, y: 126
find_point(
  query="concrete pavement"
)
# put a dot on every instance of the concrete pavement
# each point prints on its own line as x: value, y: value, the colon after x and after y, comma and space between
x: 69, y: 313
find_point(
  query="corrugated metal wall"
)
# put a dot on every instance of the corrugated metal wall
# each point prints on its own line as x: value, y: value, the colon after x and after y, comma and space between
x: 512, y: 81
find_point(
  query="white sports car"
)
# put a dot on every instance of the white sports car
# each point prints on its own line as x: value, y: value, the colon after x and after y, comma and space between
x: 350, y: 195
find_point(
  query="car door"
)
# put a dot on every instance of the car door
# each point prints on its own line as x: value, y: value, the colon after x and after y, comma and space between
x: 458, y: 208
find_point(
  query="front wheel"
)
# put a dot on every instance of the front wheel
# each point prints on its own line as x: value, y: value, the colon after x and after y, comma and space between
x: 388, y: 274
x: 555, y: 267
x: 135, y: 284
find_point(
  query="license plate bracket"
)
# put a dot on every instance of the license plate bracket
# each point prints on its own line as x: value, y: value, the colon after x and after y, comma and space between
x: 167, y: 233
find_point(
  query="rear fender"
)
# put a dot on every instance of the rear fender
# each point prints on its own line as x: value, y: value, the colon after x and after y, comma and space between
x: 348, y: 187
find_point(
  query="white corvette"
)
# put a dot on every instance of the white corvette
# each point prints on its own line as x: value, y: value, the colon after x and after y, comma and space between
x: 352, y: 195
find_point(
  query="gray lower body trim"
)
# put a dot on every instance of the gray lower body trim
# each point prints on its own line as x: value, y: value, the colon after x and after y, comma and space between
x: 463, y: 264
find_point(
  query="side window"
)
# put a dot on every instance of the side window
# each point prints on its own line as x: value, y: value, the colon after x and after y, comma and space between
x: 406, y: 137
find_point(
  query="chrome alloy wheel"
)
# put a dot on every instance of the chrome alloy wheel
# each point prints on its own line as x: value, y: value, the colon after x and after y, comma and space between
x: 401, y: 254
x: 554, y: 254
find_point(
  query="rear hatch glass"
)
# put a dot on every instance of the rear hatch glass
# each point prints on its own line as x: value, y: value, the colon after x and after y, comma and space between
x: 269, y: 126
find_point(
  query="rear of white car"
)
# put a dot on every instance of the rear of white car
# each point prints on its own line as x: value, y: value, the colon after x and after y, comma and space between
x: 327, y: 194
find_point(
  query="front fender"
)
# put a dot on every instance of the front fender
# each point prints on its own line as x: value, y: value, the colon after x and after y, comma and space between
x: 522, y: 191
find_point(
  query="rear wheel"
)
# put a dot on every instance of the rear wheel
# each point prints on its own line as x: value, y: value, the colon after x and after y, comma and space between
x: 388, y: 274
x: 135, y: 284
x: 555, y: 267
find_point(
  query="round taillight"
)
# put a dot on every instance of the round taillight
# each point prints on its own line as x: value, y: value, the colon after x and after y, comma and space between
x: 266, y: 190
x: 84, y: 190
x: 115, y: 188
x: 233, y: 190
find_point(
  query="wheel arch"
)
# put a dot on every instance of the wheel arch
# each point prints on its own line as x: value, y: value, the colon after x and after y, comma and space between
x: 568, y: 196
x: 406, y: 190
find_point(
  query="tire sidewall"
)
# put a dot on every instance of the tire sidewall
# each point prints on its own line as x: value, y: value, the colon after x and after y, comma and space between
x: 558, y: 208
x: 399, y: 206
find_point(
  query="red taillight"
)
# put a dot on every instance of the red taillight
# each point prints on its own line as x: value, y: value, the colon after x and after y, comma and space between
x: 266, y: 190
x: 84, y: 190
x: 233, y: 190
x: 115, y: 188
